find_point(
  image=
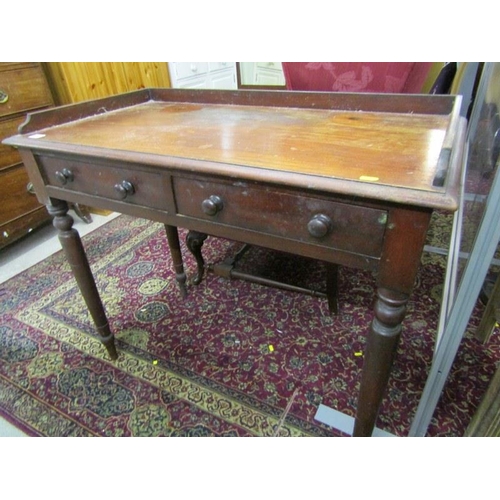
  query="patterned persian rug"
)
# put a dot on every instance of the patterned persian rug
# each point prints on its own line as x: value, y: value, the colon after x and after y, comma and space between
x: 233, y: 359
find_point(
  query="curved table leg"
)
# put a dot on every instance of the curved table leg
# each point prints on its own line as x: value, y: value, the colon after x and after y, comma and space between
x: 82, y: 212
x: 194, y: 241
x: 75, y: 254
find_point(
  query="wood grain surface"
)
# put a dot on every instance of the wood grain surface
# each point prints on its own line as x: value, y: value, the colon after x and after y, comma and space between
x: 385, y: 148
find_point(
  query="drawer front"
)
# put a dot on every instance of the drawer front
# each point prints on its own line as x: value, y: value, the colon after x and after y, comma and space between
x: 276, y: 66
x: 188, y: 69
x: 23, y: 90
x: 134, y: 187
x: 216, y: 66
x: 200, y: 82
x: 323, y: 222
x: 8, y: 154
x: 16, y: 200
x: 17, y: 228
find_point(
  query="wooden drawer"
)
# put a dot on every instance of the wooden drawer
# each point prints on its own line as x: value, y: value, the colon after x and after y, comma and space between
x: 144, y: 189
x: 9, y: 155
x: 16, y: 200
x: 328, y: 223
x: 22, y: 226
x: 26, y: 89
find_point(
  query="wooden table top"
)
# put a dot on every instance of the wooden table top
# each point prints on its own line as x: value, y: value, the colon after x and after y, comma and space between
x: 384, y: 149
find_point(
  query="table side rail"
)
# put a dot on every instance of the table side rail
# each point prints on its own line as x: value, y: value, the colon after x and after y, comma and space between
x: 39, y: 120
x: 348, y: 101
x: 388, y: 103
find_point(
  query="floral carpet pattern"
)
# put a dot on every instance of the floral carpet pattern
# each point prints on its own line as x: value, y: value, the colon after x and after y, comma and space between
x: 232, y: 359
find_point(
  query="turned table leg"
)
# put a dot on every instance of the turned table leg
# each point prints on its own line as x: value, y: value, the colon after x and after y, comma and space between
x: 404, y: 241
x: 383, y: 338
x: 75, y: 254
x: 175, y: 250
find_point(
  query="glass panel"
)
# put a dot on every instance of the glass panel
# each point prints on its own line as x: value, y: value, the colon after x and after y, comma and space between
x: 483, y: 155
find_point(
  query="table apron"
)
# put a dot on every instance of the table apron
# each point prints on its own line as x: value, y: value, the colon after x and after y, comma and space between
x: 243, y: 235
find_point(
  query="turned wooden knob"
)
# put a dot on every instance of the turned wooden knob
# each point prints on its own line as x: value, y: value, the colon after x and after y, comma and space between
x: 319, y: 226
x: 124, y: 189
x: 212, y: 205
x: 64, y: 176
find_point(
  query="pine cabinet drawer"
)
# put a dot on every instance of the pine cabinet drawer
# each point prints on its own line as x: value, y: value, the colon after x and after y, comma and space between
x: 320, y: 221
x: 131, y: 186
x: 22, y: 90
